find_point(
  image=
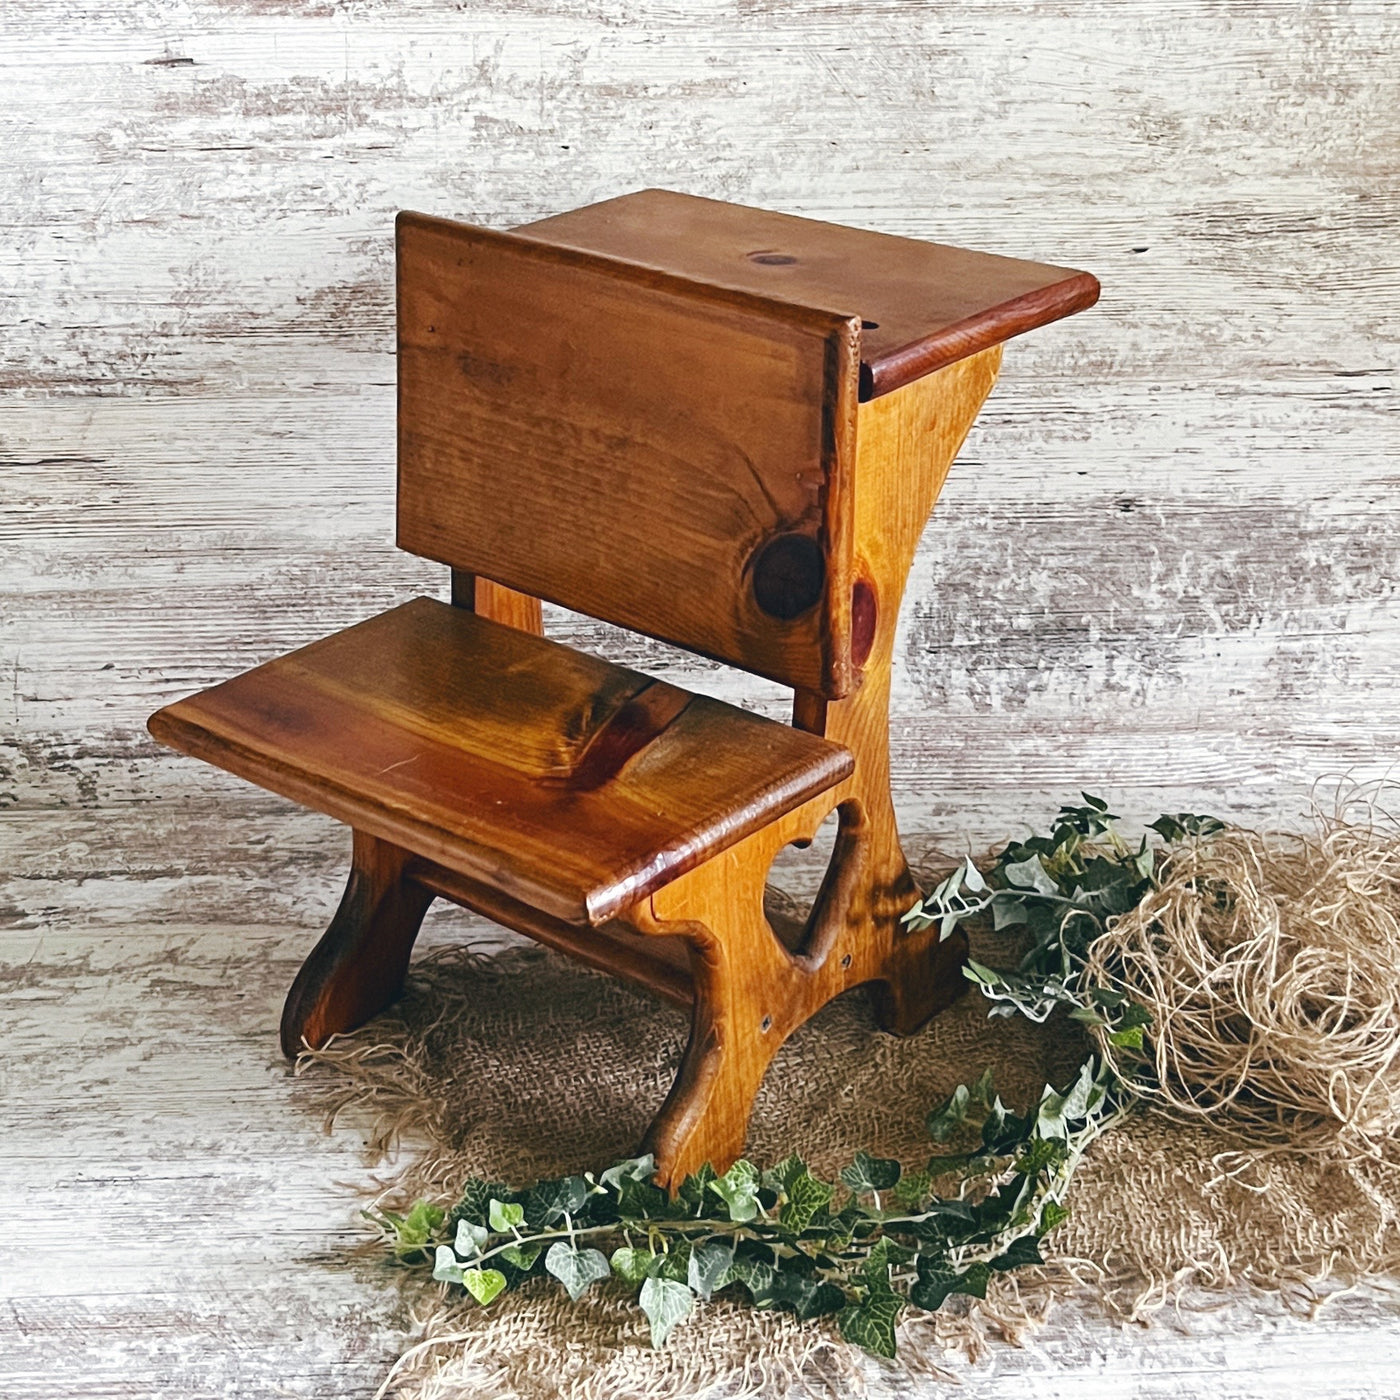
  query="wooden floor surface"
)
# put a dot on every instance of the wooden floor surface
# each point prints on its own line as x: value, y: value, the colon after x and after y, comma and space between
x: 175, y: 1224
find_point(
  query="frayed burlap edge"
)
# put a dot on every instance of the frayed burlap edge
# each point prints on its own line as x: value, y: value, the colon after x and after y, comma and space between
x: 449, y: 1083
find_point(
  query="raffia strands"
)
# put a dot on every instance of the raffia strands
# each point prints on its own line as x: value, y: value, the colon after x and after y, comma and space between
x: 1270, y: 964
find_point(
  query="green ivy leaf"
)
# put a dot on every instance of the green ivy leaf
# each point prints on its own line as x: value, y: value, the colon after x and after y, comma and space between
x: 484, y: 1284
x: 870, y: 1325
x: 867, y: 1173
x: 757, y: 1276
x: 504, y: 1217
x: 1007, y: 911
x: 972, y: 877
x: 471, y: 1239
x: 1177, y: 826
x: 804, y: 1295
x: 945, y: 1120
x: 1018, y: 1255
x: 945, y: 1218
x: 912, y: 1188
x: 446, y: 1269
x: 643, y: 1199
x: 550, y: 1201
x: 523, y: 1256
x: 576, y: 1269
x: 1039, y: 1154
x: 780, y: 1177
x: 1129, y: 1039
x: 885, y: 1253
x: 414, y: 1230
x: 674, y: 1264
x: 1051, y: 1215
x: 471, y: 1204
x: 738, y: 1189
x: 1134, y: 1016
x: 708, y: 1268
x: 692, y: 1189
x: 983, y: 976
x: 631, y: 1169
x: 665, y: 1304
x: 1145, y: 862
x: 1030, y: 874
x: 632, y: 1265
x: 1002, y: 1130
x: 938, y: 1281
x: 806, y: 1196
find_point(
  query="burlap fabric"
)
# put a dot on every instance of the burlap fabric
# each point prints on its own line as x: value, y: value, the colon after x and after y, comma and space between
x: 522, y: 1064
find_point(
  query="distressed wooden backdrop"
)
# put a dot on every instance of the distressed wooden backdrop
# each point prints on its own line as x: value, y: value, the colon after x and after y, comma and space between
x: 1164, y: 568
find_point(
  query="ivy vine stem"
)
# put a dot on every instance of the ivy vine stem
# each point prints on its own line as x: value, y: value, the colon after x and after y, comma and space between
x: 786, y: 1238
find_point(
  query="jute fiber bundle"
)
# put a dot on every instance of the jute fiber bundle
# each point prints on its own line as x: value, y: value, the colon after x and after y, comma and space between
x: 1271, y: 966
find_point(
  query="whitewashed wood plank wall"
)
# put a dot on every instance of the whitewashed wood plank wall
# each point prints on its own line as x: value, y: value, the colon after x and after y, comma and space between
x: 1165, y: 567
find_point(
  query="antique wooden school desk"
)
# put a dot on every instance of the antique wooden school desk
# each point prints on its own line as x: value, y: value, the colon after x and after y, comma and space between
x: 721, y: 427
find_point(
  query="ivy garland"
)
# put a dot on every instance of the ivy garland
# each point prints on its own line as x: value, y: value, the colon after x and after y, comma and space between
x: 878, y: 1240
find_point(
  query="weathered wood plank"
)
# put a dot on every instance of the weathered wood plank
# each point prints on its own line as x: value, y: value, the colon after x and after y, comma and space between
x: 177, y: 1224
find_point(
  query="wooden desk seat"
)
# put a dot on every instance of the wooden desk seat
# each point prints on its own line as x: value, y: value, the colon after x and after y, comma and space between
x: 554, y: 777
x: 717, y: 426
x: 540, y: 785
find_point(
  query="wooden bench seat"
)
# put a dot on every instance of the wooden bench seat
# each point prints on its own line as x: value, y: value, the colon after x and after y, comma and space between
x: 564, y: 782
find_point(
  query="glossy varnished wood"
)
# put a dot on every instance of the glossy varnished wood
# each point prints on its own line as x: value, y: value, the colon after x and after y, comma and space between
x: 665, y: 449
x: 564, y: 782
x: 357, y: 969
x: 236, y: 388
x: 658, y: 452
x: 921, y: 305
x: 752, y: 991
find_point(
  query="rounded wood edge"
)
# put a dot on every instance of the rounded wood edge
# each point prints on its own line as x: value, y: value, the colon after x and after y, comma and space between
x: 899, y: 367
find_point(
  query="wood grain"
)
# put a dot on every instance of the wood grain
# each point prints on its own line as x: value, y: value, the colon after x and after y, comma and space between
x: 1167, y: 562
x: 488, y: 599
x: 651, y: 451
x: 358, y: 967
x: 752, y: 989
x: 564, y: 782
x: 921, y: 305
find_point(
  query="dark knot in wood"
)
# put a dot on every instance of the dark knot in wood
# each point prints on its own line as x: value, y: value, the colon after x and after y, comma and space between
x: 864, y: 616
x: 788, y: 576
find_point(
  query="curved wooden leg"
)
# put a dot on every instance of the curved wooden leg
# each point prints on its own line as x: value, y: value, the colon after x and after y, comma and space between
x: 924, y: 978
x: 358, y: 967
x: 747, y: 999
x: 919, y: 976
x: 732, y: 1039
